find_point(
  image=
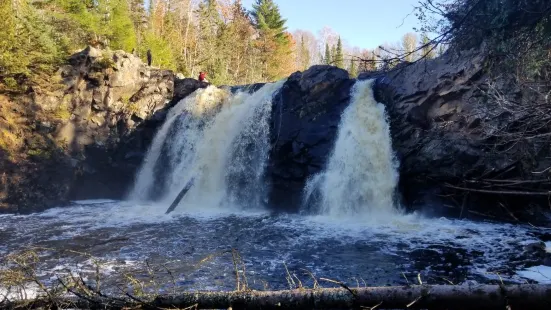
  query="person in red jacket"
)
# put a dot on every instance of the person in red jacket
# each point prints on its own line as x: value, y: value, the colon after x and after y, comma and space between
x: 203, y: 76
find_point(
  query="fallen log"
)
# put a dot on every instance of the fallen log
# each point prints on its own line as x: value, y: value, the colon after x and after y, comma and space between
x: 181, y: 195
x: 523, y: 296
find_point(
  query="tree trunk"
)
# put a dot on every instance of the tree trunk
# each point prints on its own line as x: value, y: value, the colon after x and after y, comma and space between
x: 524, y: 296
x: 417, y: 297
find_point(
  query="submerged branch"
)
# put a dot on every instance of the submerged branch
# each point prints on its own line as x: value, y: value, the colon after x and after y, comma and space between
x: 500, y: 192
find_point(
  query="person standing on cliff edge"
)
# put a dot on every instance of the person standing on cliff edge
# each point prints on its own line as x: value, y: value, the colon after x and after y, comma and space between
x: 203, y: 77
x: 149, y: 58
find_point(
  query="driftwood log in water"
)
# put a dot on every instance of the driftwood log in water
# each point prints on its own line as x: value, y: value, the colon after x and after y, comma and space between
x: 181, y: 195
x: 525, y: 296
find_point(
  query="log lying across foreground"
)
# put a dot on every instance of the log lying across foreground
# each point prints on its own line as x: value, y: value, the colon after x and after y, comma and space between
x: 525, y: 296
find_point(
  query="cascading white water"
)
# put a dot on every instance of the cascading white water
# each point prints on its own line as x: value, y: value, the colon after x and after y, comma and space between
x: 361, y: 173
x: 218, y: 139
x: 190, y: 113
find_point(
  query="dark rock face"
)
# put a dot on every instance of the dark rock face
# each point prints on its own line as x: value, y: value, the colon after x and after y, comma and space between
x: 445, y: 129
x: 305, y: 120
x: 184, y: 88
x: 429, y: 106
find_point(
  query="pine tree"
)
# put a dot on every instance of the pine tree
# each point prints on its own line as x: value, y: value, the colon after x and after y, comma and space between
x: 274, y: 44
x: 353, y: 70
x: 304, y: 54
x: 327, y: 59
x: 267, y: 16
x: 29, y: 44
x: 123, y: 35
x: 338, y: 56
x: 7, y: 38
x: 428, y: 49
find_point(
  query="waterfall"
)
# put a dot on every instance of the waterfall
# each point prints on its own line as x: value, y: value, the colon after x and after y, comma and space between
x: 361, y: 173
x: 218, y: 139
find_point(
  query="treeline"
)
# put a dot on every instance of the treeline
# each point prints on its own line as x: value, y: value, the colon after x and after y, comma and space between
x: 327, y: 47
x: 233, y: 44
x: 221, y: 37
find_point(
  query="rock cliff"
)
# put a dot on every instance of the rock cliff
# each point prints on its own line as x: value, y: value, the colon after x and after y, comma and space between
x: 72, y: 127
x: 451, y: 124
x: 465, y: 134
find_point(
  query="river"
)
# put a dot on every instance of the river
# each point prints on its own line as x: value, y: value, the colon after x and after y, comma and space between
x: 222, y: 235
x: 122, y: 237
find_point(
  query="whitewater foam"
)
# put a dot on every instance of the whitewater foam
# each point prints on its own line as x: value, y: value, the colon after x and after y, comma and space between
x: 361, y: 173
x: 336, y: 248
x: 190, y: 113
x: 540, y: 274
x: 217, y: 139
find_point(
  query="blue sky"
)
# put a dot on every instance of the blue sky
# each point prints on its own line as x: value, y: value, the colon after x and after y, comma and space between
x: 362, y: 23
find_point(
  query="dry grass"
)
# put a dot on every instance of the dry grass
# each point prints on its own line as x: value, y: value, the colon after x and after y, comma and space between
x: 11, y: 124
x: 62, y: 113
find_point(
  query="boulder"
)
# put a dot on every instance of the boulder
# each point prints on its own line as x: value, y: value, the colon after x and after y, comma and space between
x: 184, y: 87
x: 102, y: 89
x: 77, y: 148
x: 305, y: 119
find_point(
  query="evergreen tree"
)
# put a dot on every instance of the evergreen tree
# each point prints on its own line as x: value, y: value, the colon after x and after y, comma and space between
x: 333, y: 55
x: 327, y: 58
x: 338, y: 56
x: 122, y: 33
x: 428, y: 49
x: 353, y: 70
x: 29, y: 44
x: 274, y: 44
x: 7, y: 39
x: 304, y: 54
x: 266, y: 16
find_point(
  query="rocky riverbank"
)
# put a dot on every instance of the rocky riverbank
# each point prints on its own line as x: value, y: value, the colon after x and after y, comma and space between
x: 64, y: 137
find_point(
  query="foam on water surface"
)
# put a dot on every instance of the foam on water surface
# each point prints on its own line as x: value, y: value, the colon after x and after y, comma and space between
x: 377, y: 251
x: 93, y: 201
x: 540, y: 274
